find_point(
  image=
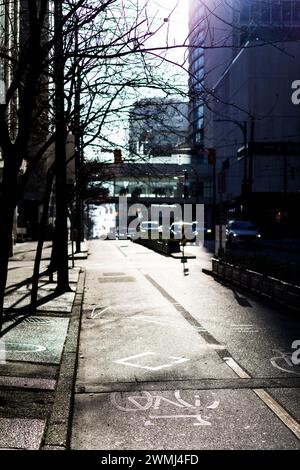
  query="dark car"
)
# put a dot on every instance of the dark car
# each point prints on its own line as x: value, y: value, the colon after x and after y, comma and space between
x: 241, y: 232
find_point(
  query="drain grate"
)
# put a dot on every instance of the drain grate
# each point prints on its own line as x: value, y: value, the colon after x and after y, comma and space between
x: 39, y: 320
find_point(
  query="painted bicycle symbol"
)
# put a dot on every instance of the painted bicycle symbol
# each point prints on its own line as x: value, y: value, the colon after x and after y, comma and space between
x: 283, y: 361
x: 146, y: 401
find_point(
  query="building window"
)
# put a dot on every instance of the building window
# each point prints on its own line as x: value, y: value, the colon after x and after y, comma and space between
x: 287, y: 12
x: 245, y: 12
x: 296, y: 13
x: 276, y: 13
x: 208, y: 189
x: 266, y: 13
x: 255, y: 11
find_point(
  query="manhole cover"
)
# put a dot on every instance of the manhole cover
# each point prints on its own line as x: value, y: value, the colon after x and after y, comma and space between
x: 9, y: 346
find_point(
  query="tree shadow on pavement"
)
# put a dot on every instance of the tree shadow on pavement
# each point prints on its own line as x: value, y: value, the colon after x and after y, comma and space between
x: 242, y: 301
x: 25, y: 282
x: 24, y: 312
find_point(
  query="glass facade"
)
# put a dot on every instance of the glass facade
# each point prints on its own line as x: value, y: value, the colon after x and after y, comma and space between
x: 270, y: 12
x: 265, y: 18
x: 196, y: 69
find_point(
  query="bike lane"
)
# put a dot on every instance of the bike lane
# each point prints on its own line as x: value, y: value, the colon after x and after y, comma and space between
x: 148, y: 380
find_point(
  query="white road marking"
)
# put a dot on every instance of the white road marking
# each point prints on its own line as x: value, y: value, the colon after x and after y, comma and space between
x: 199, y: 420
x: 282, y: 414
x: 155, y: 320
x: 283, y: 357
x: 126, y: 361
x: 236, y: 368
x: 102, y: 310
x: 134, y: 401
x: 146, y: 401
x: 267, y: 399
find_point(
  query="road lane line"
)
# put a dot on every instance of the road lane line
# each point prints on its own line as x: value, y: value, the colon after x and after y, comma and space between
x: 266, y: 398
x: 280, y: 412
x: 236, y: 368
x: 185, y: 313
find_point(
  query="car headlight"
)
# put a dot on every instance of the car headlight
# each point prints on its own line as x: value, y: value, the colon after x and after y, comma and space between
x: 258, y: 235
x: 235, y: 234
x: 208, y: 230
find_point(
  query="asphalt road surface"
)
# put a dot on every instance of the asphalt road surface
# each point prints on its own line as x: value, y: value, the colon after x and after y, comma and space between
x: 174, y: 361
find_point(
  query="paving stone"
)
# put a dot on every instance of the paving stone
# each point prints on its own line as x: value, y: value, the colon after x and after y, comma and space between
x: 36, y: 342
x: 18, y: 433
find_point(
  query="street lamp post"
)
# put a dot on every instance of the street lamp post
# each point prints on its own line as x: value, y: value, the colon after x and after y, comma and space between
x: 244, y: 128
x: 248, y: 160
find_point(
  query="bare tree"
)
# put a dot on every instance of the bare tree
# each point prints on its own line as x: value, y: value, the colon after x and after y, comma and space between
x: 38, y: 53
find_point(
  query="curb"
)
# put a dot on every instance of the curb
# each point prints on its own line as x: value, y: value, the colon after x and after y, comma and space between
x: 279, y: 292
x: 57, y: 435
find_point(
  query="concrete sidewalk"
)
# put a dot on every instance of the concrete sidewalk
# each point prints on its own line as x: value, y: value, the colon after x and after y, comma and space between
x: 38, y: 353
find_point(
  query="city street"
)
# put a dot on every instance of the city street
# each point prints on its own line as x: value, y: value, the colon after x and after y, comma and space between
x: 168, y: 361
x: 130, y: 133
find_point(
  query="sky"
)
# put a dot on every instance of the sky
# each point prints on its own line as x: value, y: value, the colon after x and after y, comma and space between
x: 175, y: 30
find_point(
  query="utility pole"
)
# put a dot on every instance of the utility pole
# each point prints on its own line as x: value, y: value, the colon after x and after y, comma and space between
x: 250, y: 176
x: 78, y: 142
x: 61, y: 229
x: 246, y: 184
x: 212, y: 160
x: 221, y: 187
x: 250, y: 154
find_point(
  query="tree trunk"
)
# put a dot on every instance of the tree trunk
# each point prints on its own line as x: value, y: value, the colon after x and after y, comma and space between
x: 60, y: 158
x: 7, y: 208
x: 38, y: 256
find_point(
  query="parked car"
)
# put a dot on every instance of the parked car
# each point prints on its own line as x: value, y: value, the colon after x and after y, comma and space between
x: 188, y: 228
x: 191, y: 229
x: 239, y: 232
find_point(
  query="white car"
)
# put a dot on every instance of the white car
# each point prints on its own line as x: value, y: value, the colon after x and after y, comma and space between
x: 241, y: 232
x: 148, y: 228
